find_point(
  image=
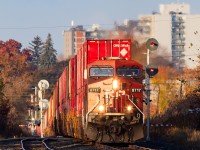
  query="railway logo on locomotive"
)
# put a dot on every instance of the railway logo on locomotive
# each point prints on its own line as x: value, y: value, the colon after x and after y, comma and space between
x: 123, y: 52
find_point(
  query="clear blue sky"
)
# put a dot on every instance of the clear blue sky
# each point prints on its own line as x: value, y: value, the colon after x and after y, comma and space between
x: 22, y: 20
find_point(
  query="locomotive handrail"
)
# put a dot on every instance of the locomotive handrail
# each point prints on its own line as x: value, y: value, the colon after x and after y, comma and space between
x: 136, y: 106
x: 92, y: 110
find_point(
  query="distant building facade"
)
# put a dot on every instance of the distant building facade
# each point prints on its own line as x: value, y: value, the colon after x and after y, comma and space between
x: 177, y: 31
x: 73, y: 40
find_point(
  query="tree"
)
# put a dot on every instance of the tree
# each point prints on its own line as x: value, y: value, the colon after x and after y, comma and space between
x: 165, y: 84
x: 48, y: 56
x: 14, y: 67
x: 36, y: 48
x: 4, y: 108
x: 191, y: 78
x: 13, y: 60
x: 16, y: 76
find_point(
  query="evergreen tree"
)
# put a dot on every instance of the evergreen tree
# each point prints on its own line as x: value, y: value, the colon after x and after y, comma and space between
x: 48, y: 56
x: 36, y: 48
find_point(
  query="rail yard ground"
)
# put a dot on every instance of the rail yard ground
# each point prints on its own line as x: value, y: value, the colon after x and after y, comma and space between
x: 181, y: 138
x: 176, y: 142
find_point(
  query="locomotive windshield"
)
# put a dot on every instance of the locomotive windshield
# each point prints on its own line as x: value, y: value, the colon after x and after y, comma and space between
x: 101, y: 72
x: 128, y: 72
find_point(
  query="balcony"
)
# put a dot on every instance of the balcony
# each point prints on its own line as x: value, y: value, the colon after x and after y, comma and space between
x: 178, y: 43
x: 176, y: 38
x: 178, y: 26
x: 178, y: 32
x: 178, y: 20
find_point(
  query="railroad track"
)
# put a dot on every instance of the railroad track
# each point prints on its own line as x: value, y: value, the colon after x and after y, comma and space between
x: 34, y: 144
x: 10, y: 144
x: 60, y: 143
x: 70, y: 144
x: 23, y: 144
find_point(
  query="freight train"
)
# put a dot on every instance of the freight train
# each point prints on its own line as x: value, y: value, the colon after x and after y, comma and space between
x: 99, y: 95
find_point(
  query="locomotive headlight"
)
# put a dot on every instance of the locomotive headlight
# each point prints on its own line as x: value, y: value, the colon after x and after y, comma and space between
x: 101, y: 108
x: 115, y: 84
x: 129, y: 108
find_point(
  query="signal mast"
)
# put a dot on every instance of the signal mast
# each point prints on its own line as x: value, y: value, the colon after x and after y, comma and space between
x: 151, y: 70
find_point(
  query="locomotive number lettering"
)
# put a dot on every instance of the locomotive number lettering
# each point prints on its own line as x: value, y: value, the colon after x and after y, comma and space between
x: 95, y: 90
x: 136, y: 90
x: 138, y: 115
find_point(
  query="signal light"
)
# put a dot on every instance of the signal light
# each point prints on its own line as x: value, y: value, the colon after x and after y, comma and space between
x: 151, y: 70
x: 152, y: 44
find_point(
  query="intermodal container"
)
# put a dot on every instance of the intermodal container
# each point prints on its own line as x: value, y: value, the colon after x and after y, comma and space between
x: 102, y: 49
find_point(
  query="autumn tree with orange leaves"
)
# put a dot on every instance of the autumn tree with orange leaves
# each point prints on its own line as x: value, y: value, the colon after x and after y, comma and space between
x: 15, y: 75
x: 164, y: 86
x: 172, y: 86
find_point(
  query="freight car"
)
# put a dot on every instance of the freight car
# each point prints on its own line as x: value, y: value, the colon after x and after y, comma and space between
x: 99, y: 94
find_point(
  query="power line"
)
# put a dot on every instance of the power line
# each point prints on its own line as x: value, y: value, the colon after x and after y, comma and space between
x: 45, y: 27
x: 67, y: 26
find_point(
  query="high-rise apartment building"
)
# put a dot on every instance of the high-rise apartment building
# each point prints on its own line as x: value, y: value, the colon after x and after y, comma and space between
x: 177, y: 31
x: 73, y: 40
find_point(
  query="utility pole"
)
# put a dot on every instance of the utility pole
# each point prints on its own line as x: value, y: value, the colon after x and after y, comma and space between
x: 35, y: 102
x: 40, y: 96
x: 32, y: 114
x: 41, y: 116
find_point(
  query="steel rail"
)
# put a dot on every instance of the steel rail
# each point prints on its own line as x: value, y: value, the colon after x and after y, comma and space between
x: 43, y: 143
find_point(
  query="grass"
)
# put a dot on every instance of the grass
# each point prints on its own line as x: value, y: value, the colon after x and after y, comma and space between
x: 185, y: 137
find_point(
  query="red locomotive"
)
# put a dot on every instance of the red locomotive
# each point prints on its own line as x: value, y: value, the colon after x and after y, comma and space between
x: 99, y: 94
